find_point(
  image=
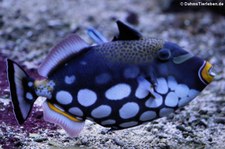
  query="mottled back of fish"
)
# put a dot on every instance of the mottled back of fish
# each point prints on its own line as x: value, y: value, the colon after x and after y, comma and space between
x: 118, y: 84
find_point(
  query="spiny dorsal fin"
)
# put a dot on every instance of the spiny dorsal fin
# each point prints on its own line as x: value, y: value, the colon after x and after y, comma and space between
x: 96, y: 36
x: 126, y: 32
x: 71, y: 45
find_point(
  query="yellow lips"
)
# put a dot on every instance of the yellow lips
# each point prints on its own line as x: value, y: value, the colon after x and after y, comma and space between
x: 207, y: 72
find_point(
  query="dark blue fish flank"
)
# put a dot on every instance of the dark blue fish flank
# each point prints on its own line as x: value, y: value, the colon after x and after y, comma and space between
x: 118, y: 84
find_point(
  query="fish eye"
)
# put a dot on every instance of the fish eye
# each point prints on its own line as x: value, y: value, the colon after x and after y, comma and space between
x: 164, y: 54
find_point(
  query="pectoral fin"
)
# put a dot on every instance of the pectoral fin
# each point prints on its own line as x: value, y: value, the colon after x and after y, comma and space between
x: 69, y: 123
x: 145, y: 89
x: 152, y: 79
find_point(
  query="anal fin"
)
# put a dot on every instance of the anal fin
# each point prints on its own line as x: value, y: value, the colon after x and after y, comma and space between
x: 70, y: 124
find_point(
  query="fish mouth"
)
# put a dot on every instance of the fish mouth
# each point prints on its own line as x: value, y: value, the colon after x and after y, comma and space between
x: 212, y: 72
x: 207, y: 73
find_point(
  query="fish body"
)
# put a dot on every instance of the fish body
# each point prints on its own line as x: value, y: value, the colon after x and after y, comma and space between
x: 119, y: 84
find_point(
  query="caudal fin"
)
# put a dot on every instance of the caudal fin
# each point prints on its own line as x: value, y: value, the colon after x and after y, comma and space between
x: 21, y: 90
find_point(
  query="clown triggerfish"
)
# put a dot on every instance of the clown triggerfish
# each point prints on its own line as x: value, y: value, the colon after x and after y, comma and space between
x: 118, y: 84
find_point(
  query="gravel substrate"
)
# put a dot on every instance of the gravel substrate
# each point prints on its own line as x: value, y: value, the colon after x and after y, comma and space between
x: 28, y: 29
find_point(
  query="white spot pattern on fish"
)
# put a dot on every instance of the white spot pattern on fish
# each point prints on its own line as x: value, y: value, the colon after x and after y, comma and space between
x: 29, y: 96
x: 185, y: 100
x: 172, y: 83
x: 30, y: 84
x: 118, y: 92
x: 162, y: 86
x: 64, y: 97
x: 154, y: 102
x: 86, y: 97
x: 129, y: 110
x: 76, y: 111
x: 70, y: 79
x: 101, y: 111
x: 148, y: 115
x: 171, y: 99
x: 143, y: 88
x: 108, y: 122
x: 181, y: 90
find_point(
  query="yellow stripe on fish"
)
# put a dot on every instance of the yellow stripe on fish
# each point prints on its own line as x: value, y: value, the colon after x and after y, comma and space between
x: 52, y: 107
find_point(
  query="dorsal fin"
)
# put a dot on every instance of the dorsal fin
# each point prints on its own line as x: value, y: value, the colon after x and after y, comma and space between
x: 71, y: 45
x: 96, y: 36
x: 126, y: 32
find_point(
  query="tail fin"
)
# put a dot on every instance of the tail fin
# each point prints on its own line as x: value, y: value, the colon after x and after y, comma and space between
x: 21, y: 90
